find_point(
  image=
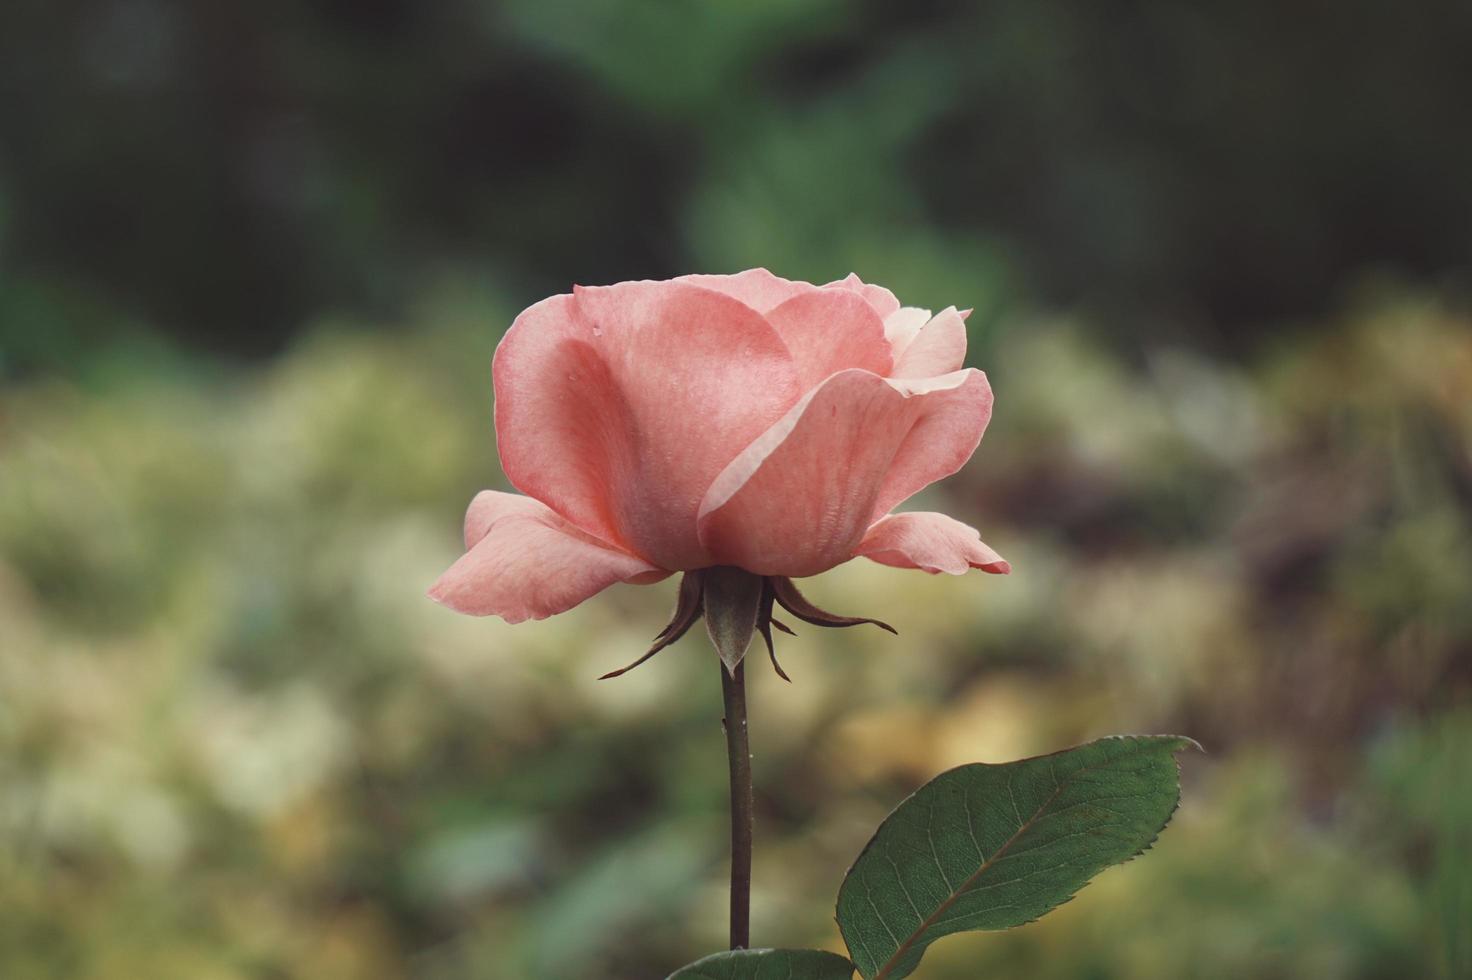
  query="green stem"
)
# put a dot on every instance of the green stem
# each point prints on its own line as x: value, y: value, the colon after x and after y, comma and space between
x: 738, y: 750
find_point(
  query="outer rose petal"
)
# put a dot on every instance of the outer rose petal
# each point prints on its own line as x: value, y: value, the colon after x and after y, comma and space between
x: 828, y: 330
x: 798, y: 500
x: 526, y: 562
x: 939, y: 347
x: 618, y: 406
x: 489, y: 506
x: 757, y: 288
x: 931, y: 542
x: 881, y: 299
x: 941, y: 442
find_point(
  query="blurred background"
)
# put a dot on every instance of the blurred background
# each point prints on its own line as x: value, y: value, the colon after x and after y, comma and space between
x: 254, y: 259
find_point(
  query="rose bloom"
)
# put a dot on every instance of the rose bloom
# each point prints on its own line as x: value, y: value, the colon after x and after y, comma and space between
x: 741, y: 420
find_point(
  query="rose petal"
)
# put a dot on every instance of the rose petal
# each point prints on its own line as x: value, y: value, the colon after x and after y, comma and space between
x: 941, y: 442
x: 757, y: 288
x: 489, y: 506
x: 828, y: 330
x: 901, y: 326
x: 798, y: 500
x: 619, y: 405
x: 939, y: 347
x: 526, y: 562
x: 881, y: 299
x: 560, y: 418
x: 930, y: 542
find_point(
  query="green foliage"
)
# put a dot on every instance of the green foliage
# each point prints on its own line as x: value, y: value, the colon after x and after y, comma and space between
x: 995, y: 846
x: 768, y: 964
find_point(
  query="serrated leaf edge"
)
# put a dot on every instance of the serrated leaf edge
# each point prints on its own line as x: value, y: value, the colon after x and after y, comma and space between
x: 1182, y: 742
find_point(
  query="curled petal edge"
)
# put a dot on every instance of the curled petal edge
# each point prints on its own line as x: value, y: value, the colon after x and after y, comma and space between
x: 931, y: 542
x: 527, y: 562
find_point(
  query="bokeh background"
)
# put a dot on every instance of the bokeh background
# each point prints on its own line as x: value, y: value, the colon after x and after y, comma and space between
x: 254, y: 259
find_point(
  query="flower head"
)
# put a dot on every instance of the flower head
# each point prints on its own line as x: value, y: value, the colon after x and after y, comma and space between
x: 741, y: 421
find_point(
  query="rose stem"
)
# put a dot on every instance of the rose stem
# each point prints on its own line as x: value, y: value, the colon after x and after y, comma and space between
x: 738, y: 749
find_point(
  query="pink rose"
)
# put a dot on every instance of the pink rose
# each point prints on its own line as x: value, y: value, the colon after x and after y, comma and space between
x: 703, y: 421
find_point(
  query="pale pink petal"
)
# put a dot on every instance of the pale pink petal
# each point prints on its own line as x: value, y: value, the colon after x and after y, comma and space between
x: 938, y: 348
x: 757, y: 288
x: 618, y: 406
x: 489, y: 506
x: 901, y: 326
x: 528, y: 563
x: 798, y: 500
x: 931, y: 542
x: 828, y: 330
x: 881, y: 299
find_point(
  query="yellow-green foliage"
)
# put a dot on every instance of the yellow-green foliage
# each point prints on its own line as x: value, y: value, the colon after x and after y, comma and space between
x: 236, y: 741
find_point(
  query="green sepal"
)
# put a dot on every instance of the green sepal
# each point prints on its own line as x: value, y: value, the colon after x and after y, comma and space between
x: 733, y: 600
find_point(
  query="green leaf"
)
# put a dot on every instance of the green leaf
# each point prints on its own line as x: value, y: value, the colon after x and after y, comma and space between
x: 996, y: 846
x: 768, y: 964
